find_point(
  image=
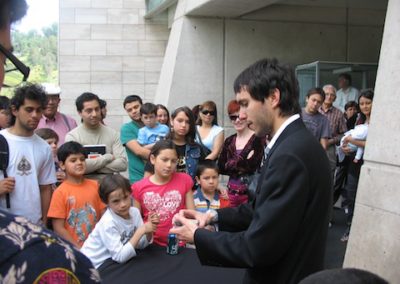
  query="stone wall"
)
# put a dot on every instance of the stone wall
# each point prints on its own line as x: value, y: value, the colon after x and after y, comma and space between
x: 108, y: 48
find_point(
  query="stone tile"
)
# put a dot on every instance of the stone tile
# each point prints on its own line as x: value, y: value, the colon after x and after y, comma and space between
x: 66, y: 47
x: 109, y: 32
x: 91, y: 16
x: 135, y: 4
x: 74, y: 3
x: 74, y: 63
x: 107, y: 91
x: 129, y: 48
x: 133, y: 78
x: 107, y: 3
x: 157, y: 32
x: 153, y: 64
x: 152, y: 48
x: 133, y: 32
x: 74, y: 31
x: 374, y: 236
x: 67, y: 16
x: 106, y: 77
x: 132, y: 63
x: 74, y: 77
x: 90, y: 47
x: 376, y: 176
x: 151, y: 77
x: 150, y: 92
x: 123, y: 16
x: 133, y: 89
x: 106, y: 63
x: 71, y: 92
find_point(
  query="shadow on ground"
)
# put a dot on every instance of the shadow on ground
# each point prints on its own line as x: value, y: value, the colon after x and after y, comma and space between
x: 336, y: 249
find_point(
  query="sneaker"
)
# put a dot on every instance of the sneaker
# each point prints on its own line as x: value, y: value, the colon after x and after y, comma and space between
x: 345, y: 236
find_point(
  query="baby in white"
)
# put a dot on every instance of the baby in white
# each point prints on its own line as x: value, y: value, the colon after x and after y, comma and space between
x: 358, y: 133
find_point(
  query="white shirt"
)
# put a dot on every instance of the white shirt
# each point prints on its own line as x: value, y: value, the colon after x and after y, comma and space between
x: 31, y: 164
x: 110, y: 238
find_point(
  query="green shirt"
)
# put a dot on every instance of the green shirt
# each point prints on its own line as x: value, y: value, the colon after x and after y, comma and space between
x: 129, y: 131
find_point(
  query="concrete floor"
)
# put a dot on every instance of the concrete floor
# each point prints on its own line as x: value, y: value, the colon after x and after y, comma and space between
x: 336, y: 249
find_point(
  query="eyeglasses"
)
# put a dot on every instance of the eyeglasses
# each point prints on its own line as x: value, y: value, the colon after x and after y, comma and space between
x: 16, y: 72
x: 233, y: 117
x: 208, y: 112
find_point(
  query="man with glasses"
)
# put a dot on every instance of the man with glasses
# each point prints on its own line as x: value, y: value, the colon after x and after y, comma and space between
x: 39, y: 255
x: 52, y: 118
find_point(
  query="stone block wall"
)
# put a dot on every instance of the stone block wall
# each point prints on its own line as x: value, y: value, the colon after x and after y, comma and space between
x: 108, y: 48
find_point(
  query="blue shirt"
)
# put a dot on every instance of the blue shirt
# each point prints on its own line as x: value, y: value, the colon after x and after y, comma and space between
x: 149, y: 135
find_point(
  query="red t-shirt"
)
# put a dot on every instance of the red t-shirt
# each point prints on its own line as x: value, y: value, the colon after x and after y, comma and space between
x: 166, y: 200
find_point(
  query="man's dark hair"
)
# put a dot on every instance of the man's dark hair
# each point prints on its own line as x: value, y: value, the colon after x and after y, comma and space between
x: 85, y: 97
x: 11, y: 11
x: 103, y: 103
x: 346, y: 76
x: 132, y: 98
x: 316, y: 90
x: 4, y: 103
x: 266, y: 75
x: 204, y: 165
x: 148, y: 108
x: 29, y: 91
x: 111, y: 183
x: 69, y: 148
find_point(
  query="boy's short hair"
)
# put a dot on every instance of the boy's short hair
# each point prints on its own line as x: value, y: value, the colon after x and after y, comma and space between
x: 69, y: 148
x: 4, y: 103
x: 111, y: 183
x: 316, y: 91
x: 350, y: 104
x: 204, y: 165
x: 47, y: 133
x: 148, y: 108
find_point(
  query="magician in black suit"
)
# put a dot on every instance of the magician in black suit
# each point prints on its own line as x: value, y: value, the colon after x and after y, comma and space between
x: 279, y: 237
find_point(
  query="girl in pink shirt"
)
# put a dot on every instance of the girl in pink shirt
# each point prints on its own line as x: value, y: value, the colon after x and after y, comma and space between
x: 165, y: 192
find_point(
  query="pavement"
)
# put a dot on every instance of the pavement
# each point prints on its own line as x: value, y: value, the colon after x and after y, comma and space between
x: 335, y: 248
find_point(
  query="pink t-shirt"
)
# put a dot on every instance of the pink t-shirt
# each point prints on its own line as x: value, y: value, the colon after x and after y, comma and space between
x: 166, y: 200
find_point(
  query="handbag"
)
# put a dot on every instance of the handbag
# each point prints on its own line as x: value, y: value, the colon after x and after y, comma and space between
x: 204, y: 150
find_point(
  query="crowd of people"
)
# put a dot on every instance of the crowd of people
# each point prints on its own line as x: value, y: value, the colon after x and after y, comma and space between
x: 67, y: 177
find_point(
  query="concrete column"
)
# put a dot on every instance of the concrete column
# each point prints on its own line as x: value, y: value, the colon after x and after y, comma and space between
x: 374, y: 242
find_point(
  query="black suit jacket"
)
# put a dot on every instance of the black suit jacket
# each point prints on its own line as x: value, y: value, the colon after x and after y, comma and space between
x: 279, y: 237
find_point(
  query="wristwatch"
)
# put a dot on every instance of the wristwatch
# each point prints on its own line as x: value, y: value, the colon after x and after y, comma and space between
x: 214, y: 216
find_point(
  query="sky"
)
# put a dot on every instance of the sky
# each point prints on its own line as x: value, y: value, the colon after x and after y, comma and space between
x: 41, y: 13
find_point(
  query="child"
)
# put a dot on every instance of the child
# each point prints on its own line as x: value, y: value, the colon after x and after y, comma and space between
x: 5, y: 114
x: 153, y: 131
x: 359, y: 133
x: 51, y: 137
x: 75, y: 206
x: 164, y: 192
x: 350, y: 114
x: 121, y: 230
x: 206, y: 196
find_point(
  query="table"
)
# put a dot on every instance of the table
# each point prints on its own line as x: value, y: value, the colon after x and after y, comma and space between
x: 154, y: 265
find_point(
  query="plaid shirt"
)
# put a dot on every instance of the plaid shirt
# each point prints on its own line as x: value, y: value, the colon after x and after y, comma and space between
x: 337, y: 122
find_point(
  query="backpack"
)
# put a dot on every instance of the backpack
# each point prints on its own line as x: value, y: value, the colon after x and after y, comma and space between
x: 4, y: 159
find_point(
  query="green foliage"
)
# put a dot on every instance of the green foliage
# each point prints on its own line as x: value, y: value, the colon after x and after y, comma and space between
x: 39, y: 52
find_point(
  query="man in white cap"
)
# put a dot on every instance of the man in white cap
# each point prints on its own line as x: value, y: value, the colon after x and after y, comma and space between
x: 52, y: 118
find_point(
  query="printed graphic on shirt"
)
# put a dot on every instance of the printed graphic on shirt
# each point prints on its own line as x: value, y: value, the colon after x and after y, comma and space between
x: 165, y: 206
x: 126, y: 236
x: 24, y: 167
x: 79, y: 218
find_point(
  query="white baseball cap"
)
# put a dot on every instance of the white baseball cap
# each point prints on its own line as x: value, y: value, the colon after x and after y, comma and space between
x: 51, y: 89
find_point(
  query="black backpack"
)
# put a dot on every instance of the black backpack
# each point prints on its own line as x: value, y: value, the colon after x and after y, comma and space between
x: 4, y: 158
